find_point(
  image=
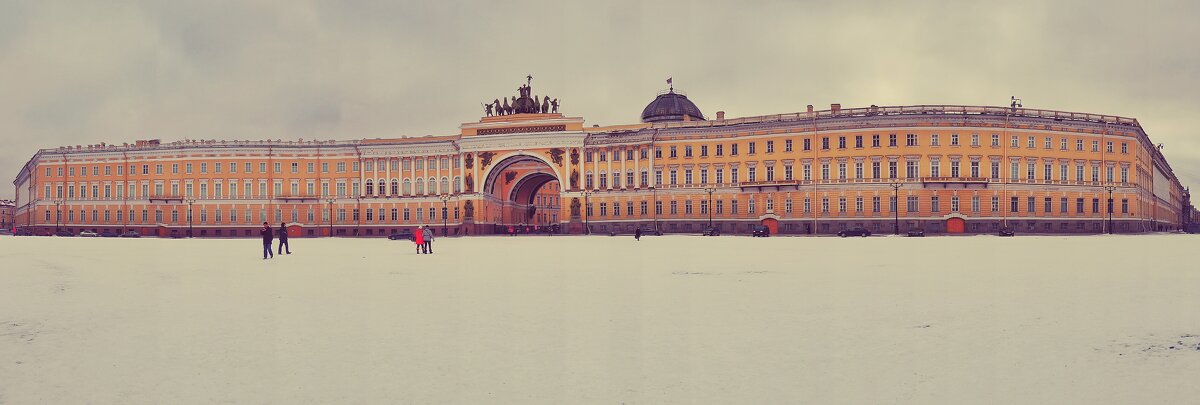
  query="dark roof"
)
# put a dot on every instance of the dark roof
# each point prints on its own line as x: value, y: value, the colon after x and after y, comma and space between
x: 671, y: 106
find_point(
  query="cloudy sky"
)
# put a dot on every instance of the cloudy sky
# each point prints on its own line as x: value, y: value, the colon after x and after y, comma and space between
x: 117, y: 71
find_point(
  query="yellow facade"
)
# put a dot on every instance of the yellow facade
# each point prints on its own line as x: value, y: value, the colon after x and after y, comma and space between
x: 951, y: 168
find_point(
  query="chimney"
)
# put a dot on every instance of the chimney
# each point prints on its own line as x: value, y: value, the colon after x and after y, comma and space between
x: 810, y: 109
x: 720, y: 115
x: 834, y: 108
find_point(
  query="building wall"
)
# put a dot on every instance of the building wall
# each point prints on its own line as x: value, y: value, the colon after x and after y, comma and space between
x: 809, y: 175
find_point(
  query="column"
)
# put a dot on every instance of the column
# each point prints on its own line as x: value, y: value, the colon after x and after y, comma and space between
x: 624, y: 169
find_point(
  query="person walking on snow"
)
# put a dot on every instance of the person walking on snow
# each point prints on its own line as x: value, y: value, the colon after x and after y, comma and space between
x: 428, y: 234
x: 419, y: 238
x: 283, y: 239
x: 267, y: 237
x: 637, y: 234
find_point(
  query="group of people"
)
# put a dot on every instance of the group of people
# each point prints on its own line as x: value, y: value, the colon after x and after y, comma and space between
x: 423, y: 237
x: 268, y: 235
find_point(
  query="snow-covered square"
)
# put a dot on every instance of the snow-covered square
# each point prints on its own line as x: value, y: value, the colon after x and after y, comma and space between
x: 672, y: 319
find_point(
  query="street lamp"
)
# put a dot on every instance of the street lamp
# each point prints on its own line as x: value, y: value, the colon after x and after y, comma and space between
x: 587, y: 229
x: 190, y: 201
x: 654, y: 198
x: 1110, y: 207
x: 57, y: 215
x: 445, y: 200
x: 330, y: 201
x: 896, y: 205
x: 710, y: 191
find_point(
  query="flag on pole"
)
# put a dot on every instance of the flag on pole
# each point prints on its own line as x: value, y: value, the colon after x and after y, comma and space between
x: 668, y: 80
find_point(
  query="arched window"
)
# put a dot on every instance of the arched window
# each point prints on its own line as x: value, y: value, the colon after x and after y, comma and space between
x: 420, y: 187
x: 445, y: 185
x: 395, y: 187
x: 369, y: 187
x: 457, y: 184
x: 381, y: 185
x: 432, y: 183
x: 407, y: 187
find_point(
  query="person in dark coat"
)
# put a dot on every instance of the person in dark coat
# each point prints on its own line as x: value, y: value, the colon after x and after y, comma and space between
x: 283, y: 239
x: 637, y: 234
x: 428, y: 245
x: 268, y: 235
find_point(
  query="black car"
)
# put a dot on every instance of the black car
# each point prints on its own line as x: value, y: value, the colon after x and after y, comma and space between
x: 108, y: 234
x: 402, y: 235
x: 916, y: 232
x: 712, y: 231
x: 131, y: 234
x: 64, y: 233
x: 24, y: 232
x: 761, y: 232
x: 650, y: 231
x: 854, y: 232
x: 1006, y: 232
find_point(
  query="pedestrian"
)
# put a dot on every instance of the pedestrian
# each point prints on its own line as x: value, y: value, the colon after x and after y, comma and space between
x: 510, y: 231
x: 637, y: 234
x: 267, y: 237
x: 283, y: 243
x: 428, y: 246
x: 418, y: 237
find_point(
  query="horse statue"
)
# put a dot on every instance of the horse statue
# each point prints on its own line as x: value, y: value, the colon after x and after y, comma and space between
x: 507, y: 108
x: 546, y: 105
x: 496, y: 105
x: 554, y: 105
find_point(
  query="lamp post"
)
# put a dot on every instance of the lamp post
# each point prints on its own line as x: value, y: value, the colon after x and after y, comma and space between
x: 896, y: 205
x: 330, y: 201
x: 587, y: 229
x: 190, y: 201
x: 654, y: 198
x: 57, y: 215
x: 1110, y: 207
x: 710, y: 191
x: 445, y: 200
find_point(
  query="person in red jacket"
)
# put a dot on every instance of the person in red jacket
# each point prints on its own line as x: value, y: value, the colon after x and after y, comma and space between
x: 419, y: 238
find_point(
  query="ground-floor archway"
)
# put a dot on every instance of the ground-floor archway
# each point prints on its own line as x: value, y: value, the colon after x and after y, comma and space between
x: 772, y: 225
x: 956, y: 225
x: 526, y: 190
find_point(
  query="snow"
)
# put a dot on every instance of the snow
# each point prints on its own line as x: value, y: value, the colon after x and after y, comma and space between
x: 537, y: 319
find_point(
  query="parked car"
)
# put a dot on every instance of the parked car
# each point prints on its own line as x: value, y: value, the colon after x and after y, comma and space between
x: 916, y: 232
x: 108, y: 234
x: 63, y: 233
x: 131, y: 234
x: 403, y: 234
x: 88, y: 234
x: 854, y: 232
x: 761, y: 232
x: 651, y: 231
x: 1006, y: 232
x: 712, y: 231
x: 24, y: 232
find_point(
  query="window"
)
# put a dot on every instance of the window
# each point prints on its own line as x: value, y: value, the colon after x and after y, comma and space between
x: 674, y: 177
x: 1015, y: 205
x: 806, y: 144
x: 687, y: 151
x: 975, y: 203
x: 1062, y: 172
x: 1062, y: 205
x: 910, y: 140
x: 874, y: 170
x: 787, y: 171
x: 935, y: 169
x: 1095, y: 205
x: 1046, y: 172
x: 1124, y: 206
x: 996, y: 140
x: 953, y: 139
x: 1124, y: 149
x: 912, y: 204
x: 1079, y: 205
x: 674, y: 154
x: 933, y: 140
x: 824, y: 171
x: 995, y: 203
x: 1029, y: 169
x: 935, y: 204
x: 787, y: 145
x: 825, y: 205
x: 974, y: 139
x: 974, y: 168
x: 911, y: 169
x: 806, y: 169
x: 858, y: 141
x: 858, y: 170
x: 733, y: 175
x: 1095, y: 146
x: 841, y: 142
x: 892, y: 169
x: 770, y: 146
x: 1124, y: 174
x: 875, y: 141
x: 892, y: 140
x: 703, y: 150
x: 875, y: 204
x: 750, y: 147
x: 733, y: 149
x: 824, y: 143
x: 1048, y: 205
x: 1030, y: 143
x: 1108, y: 147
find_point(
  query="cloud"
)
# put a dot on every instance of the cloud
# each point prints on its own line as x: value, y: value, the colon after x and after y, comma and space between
x: 90, y: 72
